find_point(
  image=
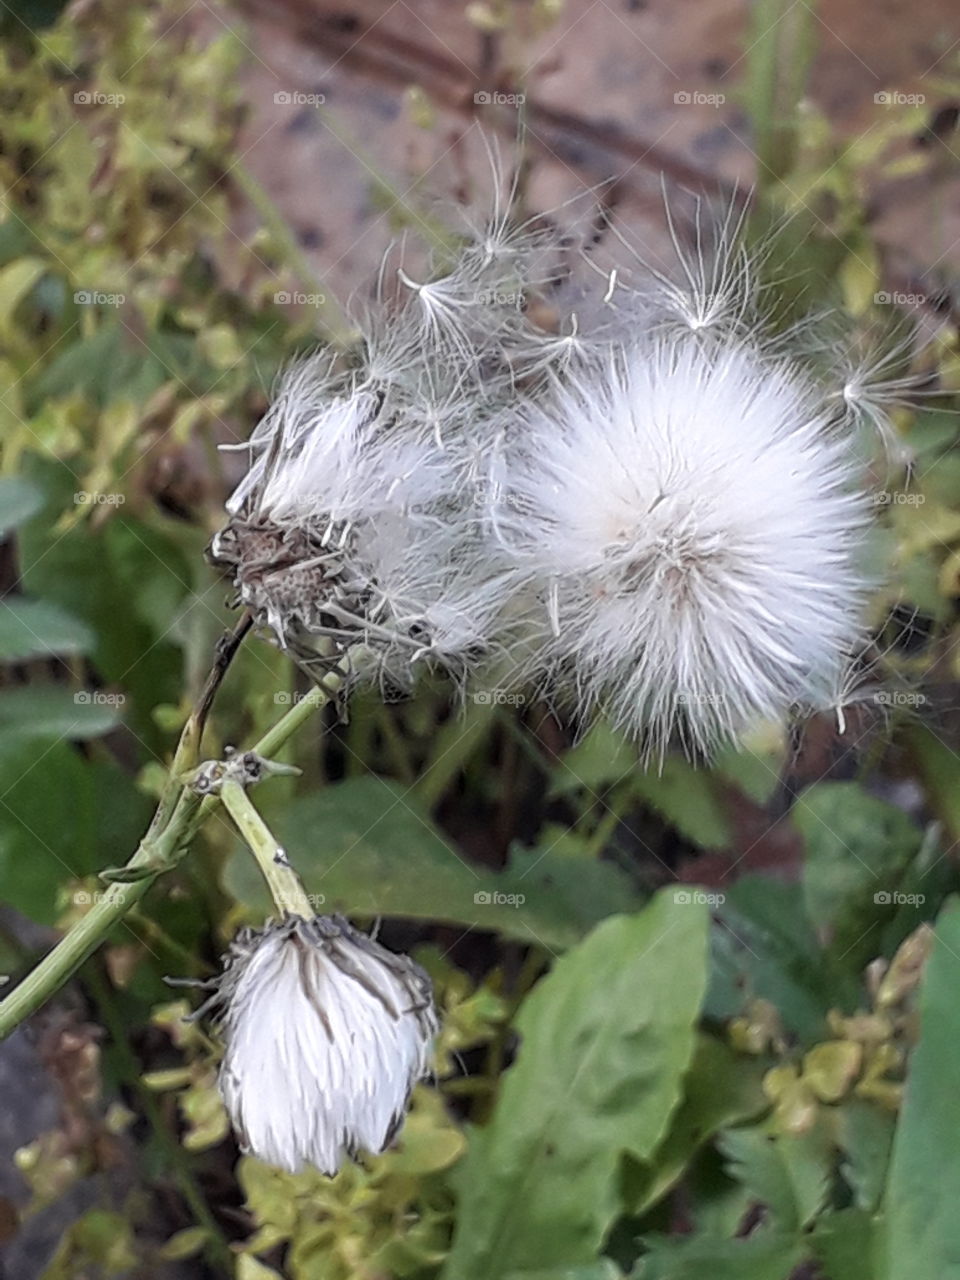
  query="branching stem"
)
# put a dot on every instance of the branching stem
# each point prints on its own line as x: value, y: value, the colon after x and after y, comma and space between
x: 179, y: 815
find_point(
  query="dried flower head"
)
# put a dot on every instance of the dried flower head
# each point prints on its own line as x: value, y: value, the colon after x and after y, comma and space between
x: 325, y: 1033
x: 356, y: 527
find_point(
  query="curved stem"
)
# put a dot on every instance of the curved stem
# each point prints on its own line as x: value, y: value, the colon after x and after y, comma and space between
x: 286, y: 887
x: 159, y: 851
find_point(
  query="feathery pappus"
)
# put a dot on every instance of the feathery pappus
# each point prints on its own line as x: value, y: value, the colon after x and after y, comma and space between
x: 693, y: 525
x: 656, y: 508
x: 325, y: 1033
x: 685, y: 507
x: 356, y: 527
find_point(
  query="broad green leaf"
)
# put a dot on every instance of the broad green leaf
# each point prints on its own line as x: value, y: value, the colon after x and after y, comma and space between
x: 19, y: 500
x: 49, y: 711
x: 923, y: 1225
x: 721, y: 1089
x: 605, y: 1041
x: 764, y: 947
x: 39, y: 629
x: 367, y: 848
x: 760, y: 1257
x: 857, y: 849
x: 61, y: 818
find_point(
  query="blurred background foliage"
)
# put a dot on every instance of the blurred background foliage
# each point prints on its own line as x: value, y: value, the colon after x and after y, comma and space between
x: 734, y: 1077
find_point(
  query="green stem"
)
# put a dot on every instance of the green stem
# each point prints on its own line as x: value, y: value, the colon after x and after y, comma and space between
x: 159, y: 851
x: 286, y: 887
x: 86, y: 935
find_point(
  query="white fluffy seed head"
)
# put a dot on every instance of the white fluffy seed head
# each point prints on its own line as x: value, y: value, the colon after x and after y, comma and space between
x: 326, y: 1033
x: 669, y: 470
x: 691, y: 516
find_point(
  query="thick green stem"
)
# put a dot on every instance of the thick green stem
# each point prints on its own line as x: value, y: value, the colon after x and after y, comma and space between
x: 159, y: 851
x: 156, y: 854
x: 286, y: 887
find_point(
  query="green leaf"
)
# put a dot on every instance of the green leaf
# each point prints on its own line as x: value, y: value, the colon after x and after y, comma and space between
x: 17, y: 278
x: 19, y: 500
x: 129, y: 583
x: 606, y: 1039
x: 721, y: 1089
x: 39, y: 629
x: 49, y: 711
x: 106, y: 366
x: 249, y: 1268
x: 865, y: 1137
x: 755, y: 769
x: 937, y: 766
x: 366, y: 846
x: 60, y: 818
x: 760, y: 1257
x: 846, y: 1245
x: 764, y: 947
x: 688, y: 799
x: 602, y: 757
x: 790, y: 1173
x: 923, y: 1225
x: 857, y: 849
x: 603, y: 1269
